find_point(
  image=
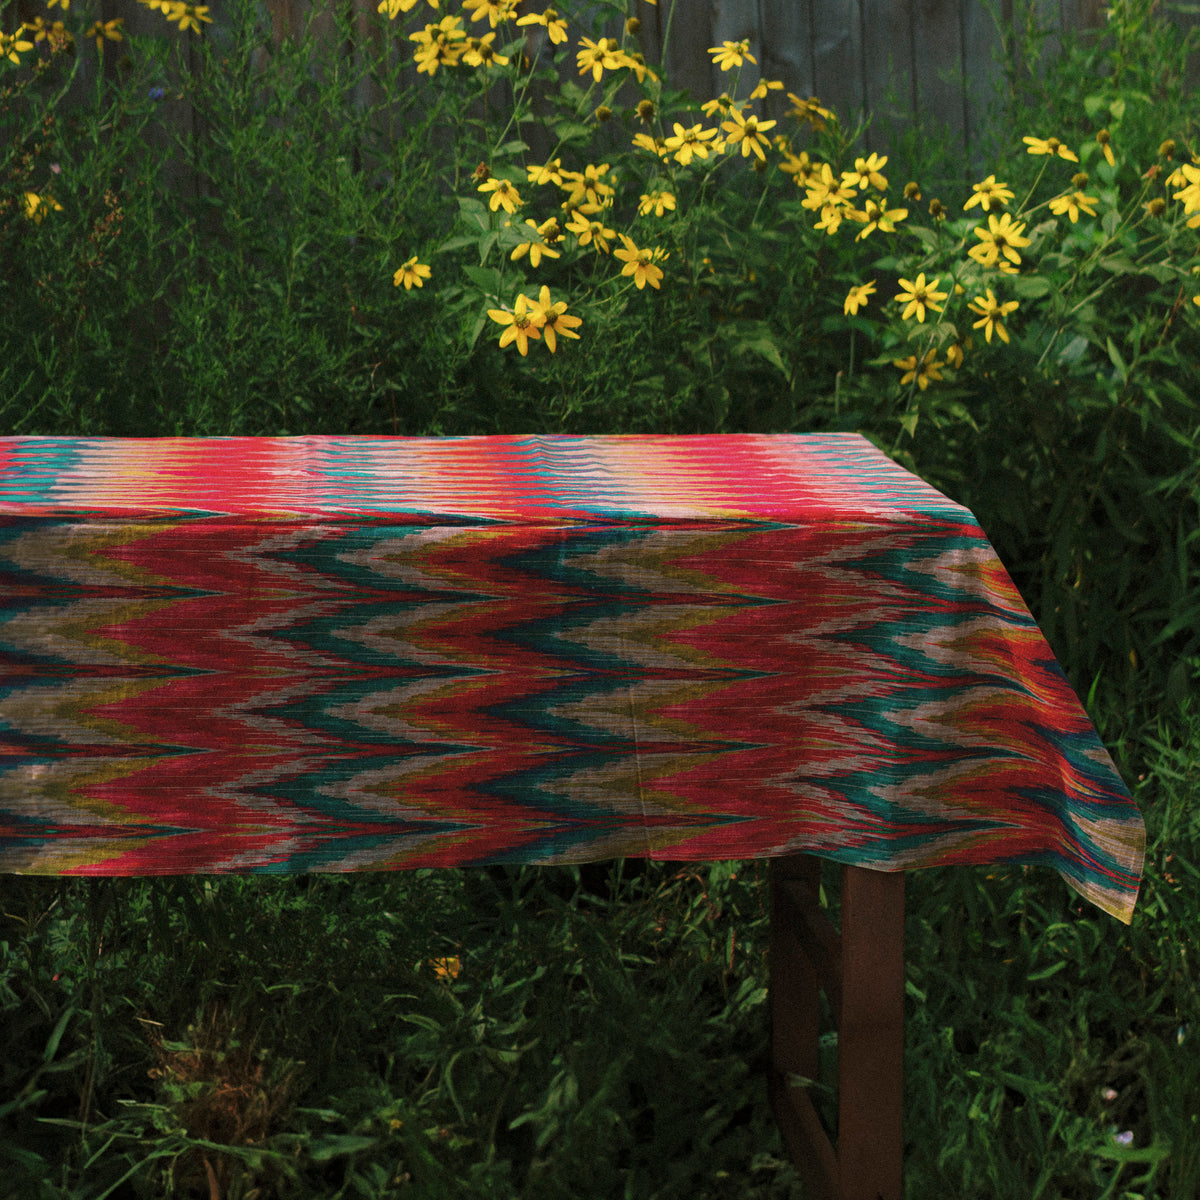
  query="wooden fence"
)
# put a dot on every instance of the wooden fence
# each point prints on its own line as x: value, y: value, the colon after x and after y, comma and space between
x: 892, y: 58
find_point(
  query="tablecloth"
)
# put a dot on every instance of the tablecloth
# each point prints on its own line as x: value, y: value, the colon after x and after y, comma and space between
x: 352, y: 653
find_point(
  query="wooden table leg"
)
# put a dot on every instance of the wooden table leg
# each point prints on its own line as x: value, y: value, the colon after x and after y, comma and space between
x: 861, y: 972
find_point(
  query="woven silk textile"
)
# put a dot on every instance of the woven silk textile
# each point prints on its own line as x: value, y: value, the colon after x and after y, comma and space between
x: 344, y: 654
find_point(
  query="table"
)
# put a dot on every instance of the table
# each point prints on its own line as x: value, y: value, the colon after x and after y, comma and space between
x: 345, y: 654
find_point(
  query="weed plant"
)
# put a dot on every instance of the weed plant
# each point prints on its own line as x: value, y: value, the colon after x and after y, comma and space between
x: 506, y: 220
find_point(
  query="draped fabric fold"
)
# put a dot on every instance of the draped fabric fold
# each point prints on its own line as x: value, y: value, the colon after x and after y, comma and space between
x: 339, y: 654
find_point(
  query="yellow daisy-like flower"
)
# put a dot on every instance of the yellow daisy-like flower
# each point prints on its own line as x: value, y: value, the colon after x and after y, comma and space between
x: 481, y: 53
x: 810, y: 110
x: 1187, y: 177
x: 856, y: 297
x: 866, y: 171
x: 876, y: 216
x: 63, y: 4
x: 658, y: 203
x: 991, y: 315
x: 412, y: 274
x: 1049, y: 146
x: 643, y: 141
x: 536, y: 248
x: 928, y: 369
x: 764, y: 86
x: 1073, y: 203
x: 554, y: 25
x: 36, y: 207
x: 831, y: 218
x: 555, y: 320
x: 521, y: 325
x: 824, y: 189
x: 799, y: 166
x: 1002, y: 238
x: 749, y: 131
x: 989, y: 194
x: 503, y: 195
x: 394, y: 8
x: 590, y: 231
x: 639, y: 264
x: 689, y: 143
x: 732, y: 54
x: 722, y: 104
x: 109, y: 31
x: 494, y: 11
x: 1104, y: 141
x: 598, y: 57
x: 954, y: 355
x: 548, y: 173
x: 919, y: 296
x: 189, y: 16
x: 12, y: 46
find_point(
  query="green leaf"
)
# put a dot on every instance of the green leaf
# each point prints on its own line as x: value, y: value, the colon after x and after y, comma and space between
x: 1073, y: 351
x: 1117, y: 361
x: 487, y: 279
x: 1031, y: 287
x: 1046, y: 972
x: 326, y: 1149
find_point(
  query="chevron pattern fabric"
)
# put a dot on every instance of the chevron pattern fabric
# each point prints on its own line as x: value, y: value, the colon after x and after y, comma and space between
x: 343, y: 654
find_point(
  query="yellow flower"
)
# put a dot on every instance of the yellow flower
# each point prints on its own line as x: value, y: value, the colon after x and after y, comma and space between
x: 831, y: 218
x: 494, y: 10
x: 875, y: 216
x: 107, y: 31
x: 1189, y: 175
x: 764, y: 86
x: 799, y: 166
x: 919, y: 295
x: 1049, y: 146
x: 549, y: 173
x: 1002, y: 237
x: 643, y: 141
x: 555, y: 26
x: 658, y: 203
x: 866, y: 171
x: 481, y: 53
x: 639, y: 264
x: 63, y: 4
x: 36, y: 207
x: 588, y: 230
x: 954, y: 355
x: 689, y: 143
x: 809, y: 110
x: 1104, y: 140
x: 394, y: 8
x: 749, y: 131
x: 731, y: 54
x: 521, y: 325
x: 721, y: 104
x: 504, y: 195
x: 929, y: 369
x: 587, y: 185
x: 991, y: 314
x: 555, y: 320
x: 823, y: 189
x: 857, y: 297
x: 412, y: 274
x: 1073, y: 203
x: 189, y: 16
x: 12, y: 45
x: 598, y: 57
x: 537, y: 250
x: 989, y: 194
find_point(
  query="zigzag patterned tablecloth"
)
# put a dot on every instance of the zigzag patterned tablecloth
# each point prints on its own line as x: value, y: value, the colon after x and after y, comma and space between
x: 342, y: 654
